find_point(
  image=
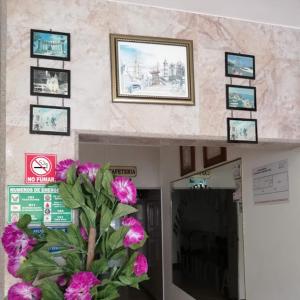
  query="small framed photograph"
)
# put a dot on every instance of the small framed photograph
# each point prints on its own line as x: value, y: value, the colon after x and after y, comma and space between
x: 213, y: 156
x: 152, y: 70
x: 241, y: 130
x: 50, y: 82
x: 239, y: 65
x: 50, y: 44
x: 46, y: 119
x: 187, y: 160
x: 240, y: 97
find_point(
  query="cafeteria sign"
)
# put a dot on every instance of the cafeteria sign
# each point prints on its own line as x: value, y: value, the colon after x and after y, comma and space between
x: 43, y: 203
x: 123, y: 171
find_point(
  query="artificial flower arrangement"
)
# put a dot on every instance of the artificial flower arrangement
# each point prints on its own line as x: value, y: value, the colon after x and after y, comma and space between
x: 94, y: 259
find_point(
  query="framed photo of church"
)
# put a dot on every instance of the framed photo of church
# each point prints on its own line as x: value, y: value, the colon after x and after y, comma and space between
x: 50, y: 44
x: 152, y: 70
x: 50, y: 82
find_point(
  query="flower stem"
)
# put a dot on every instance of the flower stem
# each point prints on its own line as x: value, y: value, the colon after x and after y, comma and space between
x: 91, y: 247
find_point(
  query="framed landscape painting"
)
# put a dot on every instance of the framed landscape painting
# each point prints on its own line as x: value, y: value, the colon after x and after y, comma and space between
x: 46, y: 119
x: 50, y: 82
x: 241, y: 130
x: 239, y: 65
x: 152, y: 70
x: 50, y: 44
x: 240, y: 97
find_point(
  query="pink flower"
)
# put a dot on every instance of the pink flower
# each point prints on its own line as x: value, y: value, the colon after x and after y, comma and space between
x: 80, y: 285
x: 124, y: 189
x: 16, y: 242
x: 130, y: 221
x: 90, y: 169
x: 84, y: 233
x: 136, y: 232
x: 140, y: 266
x: 62, y: 280
x: 14, y: 263
x: 24, y: 291
x: 62, y: 169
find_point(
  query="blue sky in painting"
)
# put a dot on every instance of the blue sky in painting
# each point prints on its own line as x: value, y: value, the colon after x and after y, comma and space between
x: 241, y: 61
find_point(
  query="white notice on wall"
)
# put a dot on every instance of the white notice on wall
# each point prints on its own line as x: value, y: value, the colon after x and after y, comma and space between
x: 271, y: 182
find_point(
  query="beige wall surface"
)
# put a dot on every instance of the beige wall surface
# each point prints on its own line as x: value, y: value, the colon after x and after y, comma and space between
x: 90, y: 22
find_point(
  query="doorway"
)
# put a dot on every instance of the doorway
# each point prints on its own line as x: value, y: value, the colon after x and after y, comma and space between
x: 207, y: 254
x: 145, y: 159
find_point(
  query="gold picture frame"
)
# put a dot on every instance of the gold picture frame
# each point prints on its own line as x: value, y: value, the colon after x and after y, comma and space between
x: 152, y: 70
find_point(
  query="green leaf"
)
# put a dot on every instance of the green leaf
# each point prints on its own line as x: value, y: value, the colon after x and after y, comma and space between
x: 75, y: 237
x: 106, y: 181
x: 78, y: 193
x: 84, y: 221
x: 67, y: 197
x: 71, y: 174
x: 91, y: 215
x: 74, y: 263
x: 123, y: 210
x: 98, y: 181
x: 116, y: 239
x: 118, y: 253
x: 106, y: 218
x: 101, y: 198
x: 87, y: 184
x: 50, y: 290
x: 127, y: 269
x: 100, y: 266
x: 28, y: 271
x: 109, y: 292
x: 24, y: 221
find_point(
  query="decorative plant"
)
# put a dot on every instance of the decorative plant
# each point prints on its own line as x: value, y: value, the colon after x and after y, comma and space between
x: 94, y: 259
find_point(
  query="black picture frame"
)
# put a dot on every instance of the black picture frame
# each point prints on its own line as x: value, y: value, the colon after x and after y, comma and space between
x: 43, y: 94
x: 187, y: 160
x: 228, y: 86
x: 229, y: 133
x: 49, y: 132
x: 229, y: 74
x: 53, y: 57
x: 209, y: 160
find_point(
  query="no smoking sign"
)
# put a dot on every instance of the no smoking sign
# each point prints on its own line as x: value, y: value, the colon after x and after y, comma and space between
x: 39, y: 168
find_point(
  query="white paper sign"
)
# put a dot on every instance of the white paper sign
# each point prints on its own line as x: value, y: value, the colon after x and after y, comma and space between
x: 271, y: 182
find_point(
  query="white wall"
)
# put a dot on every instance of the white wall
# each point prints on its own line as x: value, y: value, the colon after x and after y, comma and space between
x: 272, y: 243
x: 146, y: 159
x: 269, y: 11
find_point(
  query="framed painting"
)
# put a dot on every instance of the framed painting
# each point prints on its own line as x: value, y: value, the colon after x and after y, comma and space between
x: 240, y: 97
x: 50, y: 82
x: 152, y: 70
x: 213, y: 156
x: 187, y: 160
x: 242, y: 130
x: 239, y: 65
x: 50, y: 44
x: 54, y: 120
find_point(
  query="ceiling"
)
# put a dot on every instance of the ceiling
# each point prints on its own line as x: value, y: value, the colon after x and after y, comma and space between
x: 279, y: 12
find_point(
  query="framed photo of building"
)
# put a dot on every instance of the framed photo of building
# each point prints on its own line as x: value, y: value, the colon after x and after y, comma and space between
x: 239, y: 65
x: 152, y: 70
x: 46, y: 119
x: 50, y: 44
x: 50, y: 82
x: 242, y: 130
x: 187, y: 160
x: 213, y: 156
x: 240, y: 97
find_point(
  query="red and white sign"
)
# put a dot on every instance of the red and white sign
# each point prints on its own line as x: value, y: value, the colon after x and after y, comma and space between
x: 39, y: 168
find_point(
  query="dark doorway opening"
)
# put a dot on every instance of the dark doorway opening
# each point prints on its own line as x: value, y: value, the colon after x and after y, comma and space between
x: 149, y: 205
x: 205, y: 243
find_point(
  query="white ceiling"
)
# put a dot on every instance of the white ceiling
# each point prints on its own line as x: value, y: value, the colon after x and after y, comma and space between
x: 280, y: 12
